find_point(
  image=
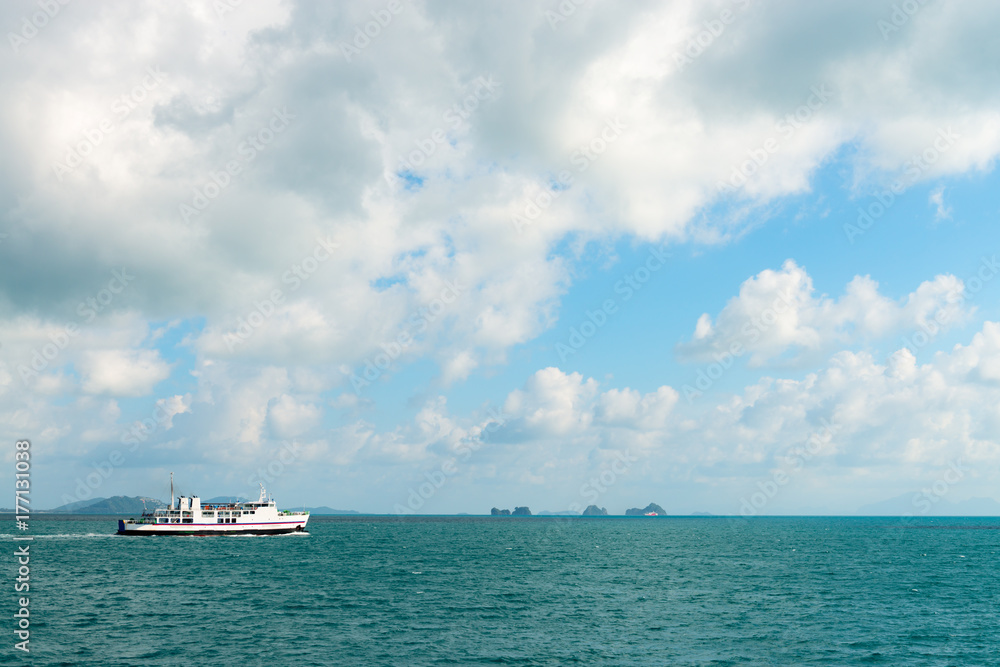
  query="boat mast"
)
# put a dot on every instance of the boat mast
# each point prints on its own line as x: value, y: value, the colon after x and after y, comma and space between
x: 171, y: 490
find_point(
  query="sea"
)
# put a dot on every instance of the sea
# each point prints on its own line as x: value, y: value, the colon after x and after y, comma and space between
x: 383, y: 590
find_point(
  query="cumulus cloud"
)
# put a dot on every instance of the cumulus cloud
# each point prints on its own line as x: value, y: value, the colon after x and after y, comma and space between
x: 342, y: 166
x: 895, y: 420
x: 118, y: 120
x: 627, y: 407
x: 854, y: 424
x: 552, y: 403
x: 288, y: 418
x: 980, y: 360
x: 122, y: 372
x: 778, y: 317
x: 857, y: 426
x: 168, y: 408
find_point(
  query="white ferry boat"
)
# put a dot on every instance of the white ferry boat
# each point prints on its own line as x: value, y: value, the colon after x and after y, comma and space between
x: 187, y: 516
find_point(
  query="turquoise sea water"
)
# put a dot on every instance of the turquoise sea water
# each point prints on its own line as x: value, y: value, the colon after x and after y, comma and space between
x: 506, y: 591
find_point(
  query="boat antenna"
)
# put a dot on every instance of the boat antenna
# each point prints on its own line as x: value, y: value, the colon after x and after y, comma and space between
x: 171, y: 490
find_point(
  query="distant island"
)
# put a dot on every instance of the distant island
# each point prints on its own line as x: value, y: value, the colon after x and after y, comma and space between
x: 652, y: 509
x: 518, y: 511
x: 594, y: 510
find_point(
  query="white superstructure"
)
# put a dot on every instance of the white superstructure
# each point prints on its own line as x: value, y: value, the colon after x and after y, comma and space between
x: 187, y: 516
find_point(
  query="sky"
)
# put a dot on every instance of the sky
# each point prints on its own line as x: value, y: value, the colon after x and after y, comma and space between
x: 727, y: 256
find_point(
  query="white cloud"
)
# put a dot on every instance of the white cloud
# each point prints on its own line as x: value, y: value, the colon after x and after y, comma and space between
x: 942, y: 212
x: 627, y: 407
x: 168, y: 408
x: 898, y: 424
x: 980, y: 360
x: 552, y: 403
x: 288, y: 418
x: 333, y: 174
x: 895, y: 426
x: 685, y: 130
x: 122, y: 372
x: 777, y: 317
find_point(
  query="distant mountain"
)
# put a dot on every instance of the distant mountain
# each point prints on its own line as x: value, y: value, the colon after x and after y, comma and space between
x: 651, y: 507
x: 919, y: 504
x: 594, y: 510
x: 499, y: 512
x: 73, y: 507
x: 113, y: 505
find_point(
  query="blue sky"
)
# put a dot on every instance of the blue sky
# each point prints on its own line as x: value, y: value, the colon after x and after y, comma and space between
x: 491, y: 258
x: 636, y: 347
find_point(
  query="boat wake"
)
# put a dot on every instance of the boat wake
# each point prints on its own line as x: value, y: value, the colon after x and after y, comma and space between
x: 300, y: 533
x: 59, y: 535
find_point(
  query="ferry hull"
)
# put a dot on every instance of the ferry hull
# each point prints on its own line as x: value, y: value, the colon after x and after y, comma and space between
x: 223, y: 529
